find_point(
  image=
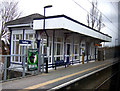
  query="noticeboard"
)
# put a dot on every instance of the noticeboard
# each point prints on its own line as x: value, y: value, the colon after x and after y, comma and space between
x: 32, y: 63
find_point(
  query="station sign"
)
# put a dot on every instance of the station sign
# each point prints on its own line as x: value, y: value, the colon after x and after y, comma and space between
x: 24, y: 43
x: 32, y: 62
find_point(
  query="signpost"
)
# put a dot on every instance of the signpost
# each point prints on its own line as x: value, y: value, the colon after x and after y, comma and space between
x: 32, y: 59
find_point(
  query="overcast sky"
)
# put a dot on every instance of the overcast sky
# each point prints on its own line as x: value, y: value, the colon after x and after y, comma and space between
x: 75, y: 11
x: 67, y: 7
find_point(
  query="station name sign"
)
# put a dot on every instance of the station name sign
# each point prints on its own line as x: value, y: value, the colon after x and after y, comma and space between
x: 24, y: 43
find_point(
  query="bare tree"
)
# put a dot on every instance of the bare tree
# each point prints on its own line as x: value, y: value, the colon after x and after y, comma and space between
x: 99, y: 22
x: 8, y: 11
x: 94, y: 18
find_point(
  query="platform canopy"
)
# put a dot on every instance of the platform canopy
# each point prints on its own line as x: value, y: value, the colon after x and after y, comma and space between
x: 66, y: 23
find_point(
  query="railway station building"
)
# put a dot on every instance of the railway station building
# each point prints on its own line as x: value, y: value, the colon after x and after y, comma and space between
x: 67, y: 38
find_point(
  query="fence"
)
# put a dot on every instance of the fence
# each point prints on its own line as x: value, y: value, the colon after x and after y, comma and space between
x: 108, y: 52
x: 7, y: 71
x: 11, y: 70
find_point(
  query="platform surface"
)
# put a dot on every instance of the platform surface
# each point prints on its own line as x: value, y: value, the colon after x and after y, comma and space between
x: 56, y: 77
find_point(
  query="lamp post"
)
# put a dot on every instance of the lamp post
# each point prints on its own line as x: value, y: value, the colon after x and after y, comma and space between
x: 48, y: 6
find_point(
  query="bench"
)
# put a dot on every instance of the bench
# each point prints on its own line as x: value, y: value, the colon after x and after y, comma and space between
x: 60, y: 63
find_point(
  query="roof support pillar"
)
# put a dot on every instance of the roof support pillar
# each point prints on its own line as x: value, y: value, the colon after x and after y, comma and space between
x: 64, y: 47
x: 72, y: 48
x: 79, y: 48
x: 53, y: 36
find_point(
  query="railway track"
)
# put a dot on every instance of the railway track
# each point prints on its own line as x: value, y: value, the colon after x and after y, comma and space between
x: 107, y: 79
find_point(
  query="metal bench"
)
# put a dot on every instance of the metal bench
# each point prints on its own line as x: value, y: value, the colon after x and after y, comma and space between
x: 60, y: 63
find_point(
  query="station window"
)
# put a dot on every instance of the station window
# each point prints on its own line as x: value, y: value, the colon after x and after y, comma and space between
x: 76, y: 51
x: 17, y: 49
x: 45, y: 49
x: 58, y: 46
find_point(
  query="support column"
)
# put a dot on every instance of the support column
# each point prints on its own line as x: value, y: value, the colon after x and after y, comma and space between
x: 64, y: 48
x: 11, y: 44
x: 72, y: 48
x: 79, y: 50
x: 53, y: 36
x: 39, y: 53
x: 87, y: 51
x: 23, y: 46
x: 95, y: 53
x: 38, y: 41
x: 39, y: 56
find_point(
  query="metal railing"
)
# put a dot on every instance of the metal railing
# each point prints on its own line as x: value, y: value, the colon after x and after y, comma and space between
x: 21, y: 70
x: 9, y: 67
x: 6, y: 67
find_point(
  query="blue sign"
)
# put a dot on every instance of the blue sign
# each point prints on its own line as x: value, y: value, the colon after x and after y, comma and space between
x: 24, y: 42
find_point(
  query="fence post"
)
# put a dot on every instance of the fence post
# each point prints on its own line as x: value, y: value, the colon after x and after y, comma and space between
x: 39, y: 67
x: 24, y: 59
x: 42, y: 63
x: 5, y: 69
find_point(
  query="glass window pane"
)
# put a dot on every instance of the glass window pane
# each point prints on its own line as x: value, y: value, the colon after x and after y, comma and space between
x: 54, y: 48
x: 16, y: 58
x: 20, y: 36
x: 58, y: 49
x: 13, y: 36
x: 17, y: 37
x: 58, y: 39
x: 50, y: 60
x: 45, y: 49
x: 27, y: 36
x: 75, y: 49
x: 13, y: 46
x: 17, y: 47
x: 61, y: 49
x: 35, y: 45
x: 25, y: 50
x: 30, y: 46
x: 31, y: 36
x: 68, y: 40
x: 75, y: 57
x: 50, y: 48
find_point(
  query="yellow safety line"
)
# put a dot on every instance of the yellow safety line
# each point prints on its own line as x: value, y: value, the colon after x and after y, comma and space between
x: 61, y: 78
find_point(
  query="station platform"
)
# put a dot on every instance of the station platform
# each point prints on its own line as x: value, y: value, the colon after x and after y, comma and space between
x: 59, y: 78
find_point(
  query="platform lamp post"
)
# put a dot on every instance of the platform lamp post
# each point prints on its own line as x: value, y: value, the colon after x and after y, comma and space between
x: 48, y: 6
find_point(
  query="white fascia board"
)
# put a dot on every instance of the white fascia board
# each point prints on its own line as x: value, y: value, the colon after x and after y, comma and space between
x: 62, y: 22
x: 19, y: 25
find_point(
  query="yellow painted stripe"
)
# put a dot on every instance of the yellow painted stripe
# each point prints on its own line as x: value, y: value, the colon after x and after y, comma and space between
x: 61, y: 78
